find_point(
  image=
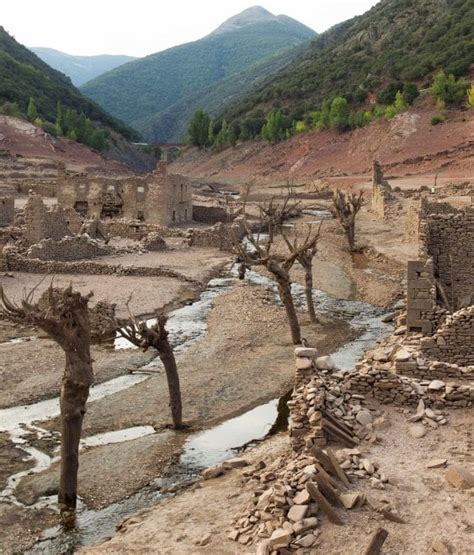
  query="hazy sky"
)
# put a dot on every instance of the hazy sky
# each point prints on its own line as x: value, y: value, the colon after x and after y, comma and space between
x: 141, y: 27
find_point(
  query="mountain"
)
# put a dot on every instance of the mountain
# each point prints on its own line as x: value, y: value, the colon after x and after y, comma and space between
x: 24, y: 75
x: 143, y: 88
x: 80, y: 69
x: 171, y: 124
x: 406, y: 40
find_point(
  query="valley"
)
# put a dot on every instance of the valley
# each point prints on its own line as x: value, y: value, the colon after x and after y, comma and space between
x: 237, y: 289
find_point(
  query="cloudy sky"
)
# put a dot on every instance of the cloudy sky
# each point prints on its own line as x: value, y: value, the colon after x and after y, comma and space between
x: 141, y: 27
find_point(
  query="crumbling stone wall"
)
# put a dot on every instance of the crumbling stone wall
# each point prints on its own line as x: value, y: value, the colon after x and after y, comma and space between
x: 449, y: 240
x: 453, y: 342
x: 154, y: 242
x: 101, y: 318
x: 220, y: 236
x: 418, y: 210
x: 421, y: 296
x: 210, y: 214
x: 69, y: 248
x: 381, y: 192
x: 444, y: 275
x: 19, y: 263
x: 156, y: 198
x: 42, y: 223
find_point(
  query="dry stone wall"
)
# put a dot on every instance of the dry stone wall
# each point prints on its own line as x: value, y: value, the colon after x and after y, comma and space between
x: 7, y: 205
x: 449, y: 240
x: 454, y: 341
x: 16, y: 262
x: 220, y: 236
x: 68, y: 249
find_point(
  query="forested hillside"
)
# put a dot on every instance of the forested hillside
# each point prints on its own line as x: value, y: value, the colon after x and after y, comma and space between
x: 140, y: 90
x: 23, y: 76
x: 401, y: 41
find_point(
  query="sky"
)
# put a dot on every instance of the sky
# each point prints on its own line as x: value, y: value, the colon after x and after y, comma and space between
x: 141, y: 27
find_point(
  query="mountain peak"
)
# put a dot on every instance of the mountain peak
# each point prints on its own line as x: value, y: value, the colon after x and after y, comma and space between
x: 250, y: 16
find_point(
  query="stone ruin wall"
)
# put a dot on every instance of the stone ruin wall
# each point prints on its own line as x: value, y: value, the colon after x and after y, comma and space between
x: 440, y: 287
x: 381, y: 192
x: 449, y: 240
x: 16, y: 262
x: 210, y: 214
x: 157, y: 198
x: 220, y: 236
x: 69, y: 248
x: 453, y: 342
x: 418, y: 210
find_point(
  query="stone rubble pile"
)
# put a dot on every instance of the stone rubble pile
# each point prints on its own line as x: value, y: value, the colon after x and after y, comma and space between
x: 291, y: 494
x: 400, y: 371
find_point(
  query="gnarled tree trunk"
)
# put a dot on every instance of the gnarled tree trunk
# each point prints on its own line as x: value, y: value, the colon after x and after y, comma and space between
x: 166, y: 355
x: 308, y: 289
x: 78, y: 377
x: 284, y: 288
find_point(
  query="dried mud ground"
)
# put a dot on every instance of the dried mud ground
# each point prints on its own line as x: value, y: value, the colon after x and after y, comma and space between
x: 431, y: 508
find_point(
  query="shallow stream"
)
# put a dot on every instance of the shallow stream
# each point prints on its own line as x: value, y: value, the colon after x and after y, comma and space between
x: 201, y: 449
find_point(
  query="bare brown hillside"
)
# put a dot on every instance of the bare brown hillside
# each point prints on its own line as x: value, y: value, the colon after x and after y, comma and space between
x: 407, y: 145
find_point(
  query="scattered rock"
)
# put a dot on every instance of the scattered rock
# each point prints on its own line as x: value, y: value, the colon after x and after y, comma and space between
x: 204, y: 540
x: 417, y: 431
x: 364, y: 417
x: 440, y: 546
x: 436, y: 385
x: 280, y: 538
x: 306, y: 352
x: 459, y: 477
x: 349, y: 500
x: 437, y: 463
x: 297, y: 512
x: 213, y: 471
x: 325, y: 363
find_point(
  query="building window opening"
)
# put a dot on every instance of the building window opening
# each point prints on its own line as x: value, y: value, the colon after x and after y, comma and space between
x: 174, y: 215
x: 185, y: 214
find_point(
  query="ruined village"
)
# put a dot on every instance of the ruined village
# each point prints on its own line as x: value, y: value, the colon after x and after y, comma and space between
x: 266, y: 349
x: 329, y: 433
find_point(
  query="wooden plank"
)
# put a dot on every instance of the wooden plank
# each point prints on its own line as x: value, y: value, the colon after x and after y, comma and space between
x: 337, y: 423
x: 323, y: 503
x: 334, y: 430
x: 324, y: 460
x: 328, y: 491
x: 340, y: 473
x: 334, y: 483
x: 376, y: 542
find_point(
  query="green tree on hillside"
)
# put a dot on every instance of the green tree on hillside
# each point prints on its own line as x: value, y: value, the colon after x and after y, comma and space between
x: 339, y: 114
x: 448, y: 89
x: 400, y: 103
x: 470, y: 96
x: 274, y: 128
x: 199, y: 129
x: 31, y: 112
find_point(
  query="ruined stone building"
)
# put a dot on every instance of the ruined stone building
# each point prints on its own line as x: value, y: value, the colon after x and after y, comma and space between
x: 381, y: 198
x: 440, y: 285
x: 156, y: 198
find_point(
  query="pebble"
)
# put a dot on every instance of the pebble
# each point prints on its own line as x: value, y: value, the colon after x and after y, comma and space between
x: 417, y: 431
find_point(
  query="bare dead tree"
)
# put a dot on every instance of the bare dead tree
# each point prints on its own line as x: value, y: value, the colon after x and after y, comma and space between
x: 345, y: 208
x: 305, y: 252
x: 144, y: 336
x: 278, y: 266
x: 63, y: 315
